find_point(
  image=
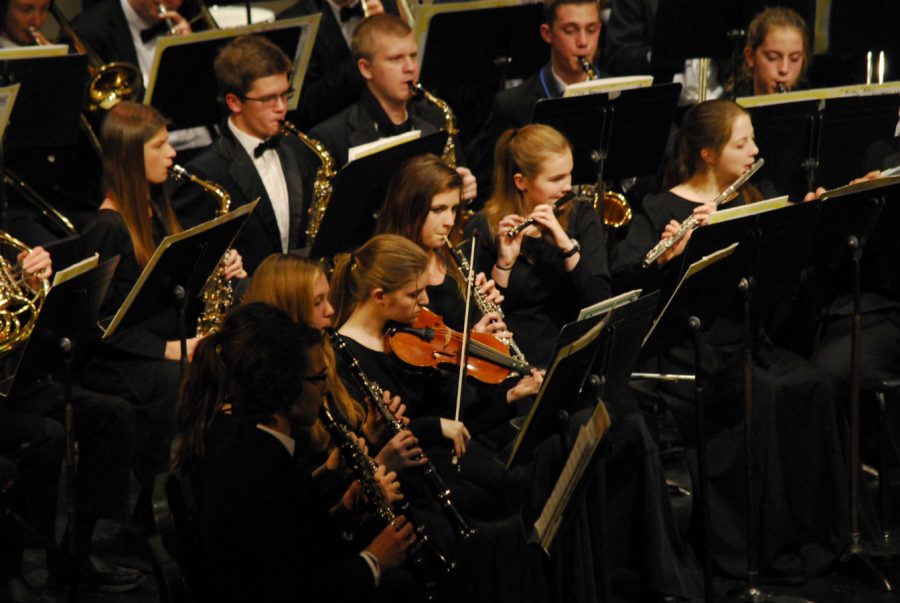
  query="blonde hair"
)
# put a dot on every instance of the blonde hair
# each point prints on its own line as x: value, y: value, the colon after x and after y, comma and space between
x: 287, y: 281
x: 520, y: 151
x: 362, y: 45
x: 385, y: 262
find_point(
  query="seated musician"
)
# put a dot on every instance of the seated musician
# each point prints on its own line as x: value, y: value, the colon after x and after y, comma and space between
x: 22, y: 21
x: 798, y: 438
x: 777, y: 53
x: 572, y: 29
x: 265, y: 534
x: 32, y: 433
x: 300, y: 288
x: 139, y: 363
x: 251, y: 159
x: 386, y: 54
x: 128, y: 30
x: 549, y: 270
x: 332, y: 82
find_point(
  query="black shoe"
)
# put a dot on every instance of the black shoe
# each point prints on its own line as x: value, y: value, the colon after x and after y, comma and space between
x: 108, y: 578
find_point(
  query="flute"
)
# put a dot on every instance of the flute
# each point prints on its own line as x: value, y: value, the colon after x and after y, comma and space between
x: 514, y: 231
x: 693, y: 222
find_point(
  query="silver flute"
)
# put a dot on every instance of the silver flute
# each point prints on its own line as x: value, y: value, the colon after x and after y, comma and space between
x: 515, y: 230
x: 693, y: 222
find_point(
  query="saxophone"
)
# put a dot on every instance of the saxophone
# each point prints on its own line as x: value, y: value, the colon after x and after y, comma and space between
x: 217, y: 294
x: 322, y: 187
x: 448, y: 156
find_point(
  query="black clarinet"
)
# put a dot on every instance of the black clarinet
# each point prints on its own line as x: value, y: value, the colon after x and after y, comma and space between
x: 363, y: 470
x: 434, y: 480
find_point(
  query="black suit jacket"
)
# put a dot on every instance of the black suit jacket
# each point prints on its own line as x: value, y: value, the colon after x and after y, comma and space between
x: 355, y: 126
x: 629, y: 36
x: 227, y: 164
x: 104, y: 29
x: 265, y: 537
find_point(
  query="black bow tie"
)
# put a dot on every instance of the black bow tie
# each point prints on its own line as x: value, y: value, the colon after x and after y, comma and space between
x: 348, y: 12
x: 153, y: 32
x: 265, y: 145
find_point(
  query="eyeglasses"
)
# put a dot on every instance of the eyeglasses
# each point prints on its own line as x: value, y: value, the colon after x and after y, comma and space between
x: 316, y: 379
x: 272, y: 99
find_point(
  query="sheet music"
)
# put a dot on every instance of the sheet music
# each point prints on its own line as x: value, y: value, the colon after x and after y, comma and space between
x: 589, y: 436
x: 741, y: 211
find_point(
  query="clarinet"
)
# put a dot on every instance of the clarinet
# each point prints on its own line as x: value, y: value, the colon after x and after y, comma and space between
x: 691, y: 222
x: 363, y: 469
x: 484, y: 304
x: 434, y: 480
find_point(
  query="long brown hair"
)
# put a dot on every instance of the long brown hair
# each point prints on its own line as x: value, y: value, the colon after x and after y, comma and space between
x: 407, y: 202
x: 126, y: 128
x: 707, y: 125
x: 287, y: 281
x: 386, y: 262
x: 520, y: 151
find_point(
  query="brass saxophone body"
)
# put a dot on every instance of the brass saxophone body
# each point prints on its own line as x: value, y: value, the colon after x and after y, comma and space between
x: 448, y: 156
x: 218, y: 293
x: 322, y: 187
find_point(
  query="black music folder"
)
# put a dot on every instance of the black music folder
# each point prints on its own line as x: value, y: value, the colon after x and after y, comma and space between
x: 604, y: 344
x: 870, y: 212
x: 69, y: 311
x: 688, y: 29
x: 182, y: 60
x: 614, y: 135
x: 48, y: 107
x: 358, y: 195
x: 470, y: 50
x: 184, y: 260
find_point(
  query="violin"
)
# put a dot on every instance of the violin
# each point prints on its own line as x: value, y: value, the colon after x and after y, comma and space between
x: 430, y: 342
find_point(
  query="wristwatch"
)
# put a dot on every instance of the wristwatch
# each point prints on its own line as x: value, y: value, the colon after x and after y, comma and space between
x: 575, y: 249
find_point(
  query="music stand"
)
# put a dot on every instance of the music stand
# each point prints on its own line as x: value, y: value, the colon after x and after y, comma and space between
x: 591, y: 342
x: 773, y: 249
x: 48, y: 106
x: 613, y: 135
x: 176, y: 274
x: 847, y: 127
x: 500, y: 42
x: 358, y: 195
x: 47, y: 110
x: 687, y: 309
x: 67, y: 315
x: 687, y: 29
x: 787, y: 134
x: 849, y: 219
x: 181, y: 59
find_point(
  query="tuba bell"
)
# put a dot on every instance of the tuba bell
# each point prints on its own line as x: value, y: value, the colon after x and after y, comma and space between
x: 19, y: 303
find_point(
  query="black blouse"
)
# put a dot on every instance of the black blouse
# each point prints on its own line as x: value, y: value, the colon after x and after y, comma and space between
x: 541, y: 296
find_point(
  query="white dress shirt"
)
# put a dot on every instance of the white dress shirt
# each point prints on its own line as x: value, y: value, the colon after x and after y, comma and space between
x: 272, y: 175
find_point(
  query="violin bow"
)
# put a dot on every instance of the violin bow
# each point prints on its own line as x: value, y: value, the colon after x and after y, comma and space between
x: 464, y: 351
